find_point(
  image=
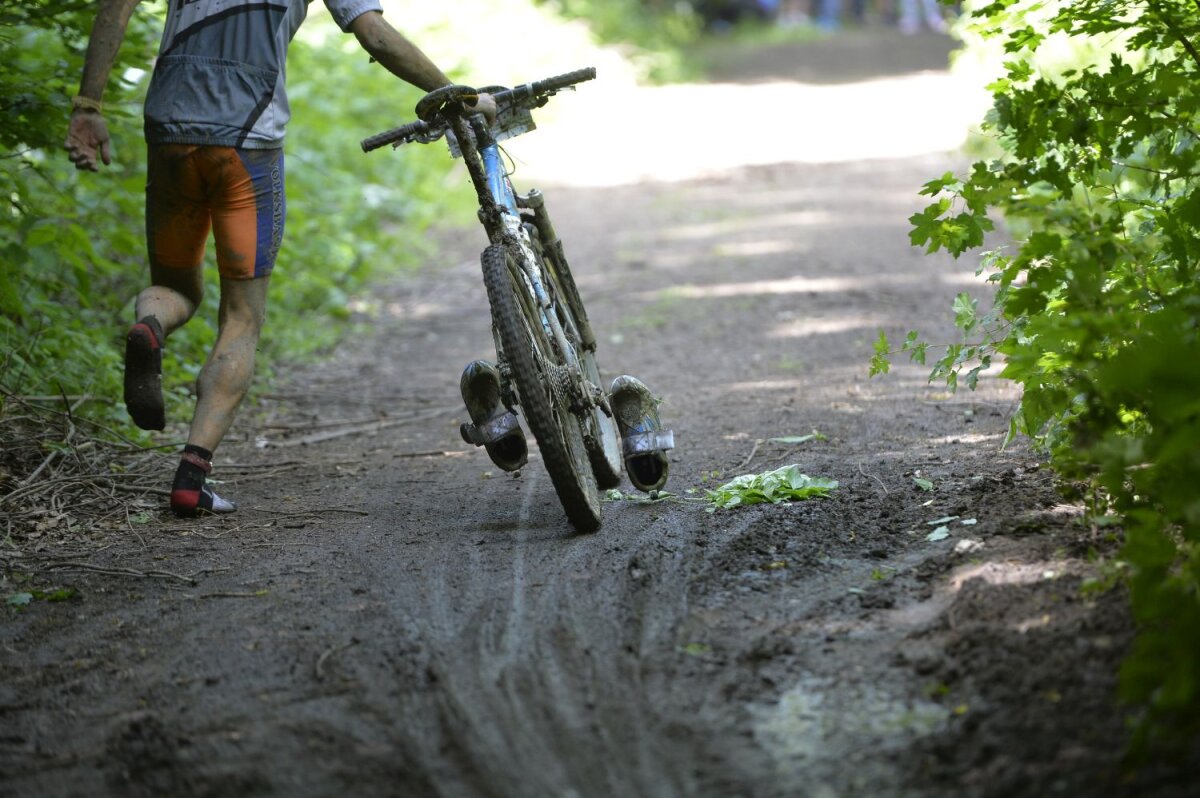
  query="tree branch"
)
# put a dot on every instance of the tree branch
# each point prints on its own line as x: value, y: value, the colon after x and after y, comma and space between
x: 1174, y: 29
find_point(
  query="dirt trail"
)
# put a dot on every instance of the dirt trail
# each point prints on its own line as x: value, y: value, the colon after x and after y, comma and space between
x: 389, y: 615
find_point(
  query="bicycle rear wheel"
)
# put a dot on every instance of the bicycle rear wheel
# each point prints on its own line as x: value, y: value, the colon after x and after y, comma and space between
x: 534, y: 364
x: 601, y: 436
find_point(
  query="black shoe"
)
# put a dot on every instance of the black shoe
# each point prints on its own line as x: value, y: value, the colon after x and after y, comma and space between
x: 190, y: 495
x: 494, y: 427
x: 143, y: 374
x: 644, y: 443
x: 196, y: 503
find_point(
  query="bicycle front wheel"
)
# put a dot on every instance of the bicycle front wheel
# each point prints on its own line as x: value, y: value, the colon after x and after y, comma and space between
x: 538, y: 372
x: 600, y: 430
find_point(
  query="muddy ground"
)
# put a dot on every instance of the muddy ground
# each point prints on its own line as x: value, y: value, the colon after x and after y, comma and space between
x: 387, y: 614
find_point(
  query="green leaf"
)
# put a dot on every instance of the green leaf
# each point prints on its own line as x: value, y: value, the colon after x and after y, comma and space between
x: 965, y: 308
x: 927, y: 225
x: 59, y: 594
x: 923, y: 484
x: 941, y: 533
x: 879, y: 361
x: 947, y: 182
x: 1019, y: 71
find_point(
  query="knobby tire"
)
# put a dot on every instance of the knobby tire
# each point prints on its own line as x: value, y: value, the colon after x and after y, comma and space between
x: 554, y: 426
x: 604, y: 447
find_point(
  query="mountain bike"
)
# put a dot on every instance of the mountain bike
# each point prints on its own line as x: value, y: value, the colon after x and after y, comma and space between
x: 545, y: 346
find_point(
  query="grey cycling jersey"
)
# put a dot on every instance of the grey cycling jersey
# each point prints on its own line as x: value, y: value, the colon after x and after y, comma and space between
x: 219, y: 77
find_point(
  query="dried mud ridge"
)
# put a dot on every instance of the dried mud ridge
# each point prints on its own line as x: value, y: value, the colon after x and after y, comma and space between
x: 387, y: 614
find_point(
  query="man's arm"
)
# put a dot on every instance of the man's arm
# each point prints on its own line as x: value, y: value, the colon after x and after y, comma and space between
x: 397, y: 54
x: 87, y: 134
x: 403, y: 58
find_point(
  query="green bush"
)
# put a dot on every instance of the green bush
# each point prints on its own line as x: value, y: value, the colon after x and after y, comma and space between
x: 1097, y: 308
x: 68, y: 243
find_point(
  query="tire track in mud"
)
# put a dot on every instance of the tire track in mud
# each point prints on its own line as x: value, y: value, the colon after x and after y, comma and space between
x: 539, y: 684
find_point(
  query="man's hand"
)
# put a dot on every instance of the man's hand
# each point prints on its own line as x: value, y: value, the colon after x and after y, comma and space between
x: 87, y: 136
x: 486, y: 105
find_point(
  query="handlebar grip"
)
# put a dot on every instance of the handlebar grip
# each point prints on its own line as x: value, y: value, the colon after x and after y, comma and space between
x: 562, y: 81
x: 394, y: 135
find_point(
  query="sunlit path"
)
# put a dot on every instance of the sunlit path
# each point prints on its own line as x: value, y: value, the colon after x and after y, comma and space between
x: 618, y: 134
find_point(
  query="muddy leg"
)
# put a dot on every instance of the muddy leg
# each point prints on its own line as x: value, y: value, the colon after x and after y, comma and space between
x: 226, y: 376
x: 172, y: 297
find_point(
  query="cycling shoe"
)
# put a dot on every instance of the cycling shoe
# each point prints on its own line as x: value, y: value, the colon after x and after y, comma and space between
x: 644, y: 443
x: 493, y: 426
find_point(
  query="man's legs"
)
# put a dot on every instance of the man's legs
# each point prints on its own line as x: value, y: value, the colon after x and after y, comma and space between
x: 222, y: 385
x: 248, y: 228
x: 177, y: 226
x: 240, y: 195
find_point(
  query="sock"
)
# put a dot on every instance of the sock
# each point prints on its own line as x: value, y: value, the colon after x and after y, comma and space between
x: 155, y: 328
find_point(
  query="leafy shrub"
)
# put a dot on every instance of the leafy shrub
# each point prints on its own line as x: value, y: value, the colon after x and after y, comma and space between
x: 1097, y: 306
x: 67, y: 244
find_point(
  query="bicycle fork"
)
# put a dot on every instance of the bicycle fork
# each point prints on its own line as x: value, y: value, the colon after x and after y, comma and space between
x: 500, y: 203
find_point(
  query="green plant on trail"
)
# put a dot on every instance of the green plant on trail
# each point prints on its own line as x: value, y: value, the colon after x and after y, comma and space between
x: 780, y: 485
x: 1097, y: 304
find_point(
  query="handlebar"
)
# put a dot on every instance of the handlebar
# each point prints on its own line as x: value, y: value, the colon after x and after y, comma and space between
x: 556, y: 83
x: 402, y: 134
x: 414, y: 131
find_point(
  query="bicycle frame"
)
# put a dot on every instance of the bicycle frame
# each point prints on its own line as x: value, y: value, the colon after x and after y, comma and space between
x: 498, y: 183
x: 501, y: 217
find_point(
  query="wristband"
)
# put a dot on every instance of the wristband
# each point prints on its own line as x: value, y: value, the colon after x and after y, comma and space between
x: 79, y: 102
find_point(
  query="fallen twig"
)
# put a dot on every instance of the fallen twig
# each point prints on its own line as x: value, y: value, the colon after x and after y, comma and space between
x: 225, y: 594
x: 99, y: 569
x: 872, y: 476
x: 749, y: 457
x: 321, y: 660
x: 321, y: 437
x: 83, y: 479
x: 317, y: 511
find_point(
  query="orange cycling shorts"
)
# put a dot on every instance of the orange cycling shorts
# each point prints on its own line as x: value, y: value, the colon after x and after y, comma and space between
x: 237, y: 193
